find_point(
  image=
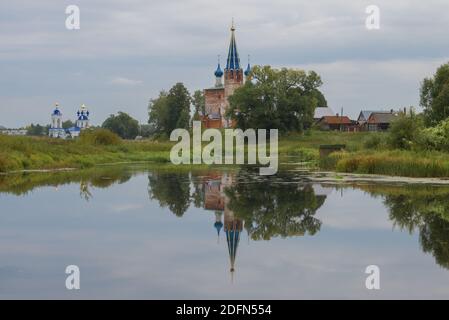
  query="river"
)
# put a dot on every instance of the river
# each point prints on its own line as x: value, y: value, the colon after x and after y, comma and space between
x: 163, y: 233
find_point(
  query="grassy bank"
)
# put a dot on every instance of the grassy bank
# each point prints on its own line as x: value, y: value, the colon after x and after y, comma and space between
x: 365, y: 153
x: 26, y: 153
x: 390, y: 162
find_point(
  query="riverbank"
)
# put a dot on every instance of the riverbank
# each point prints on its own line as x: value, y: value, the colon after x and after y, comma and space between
x: 366, y: 153
x: 360, y: 156
x: 31, y: 153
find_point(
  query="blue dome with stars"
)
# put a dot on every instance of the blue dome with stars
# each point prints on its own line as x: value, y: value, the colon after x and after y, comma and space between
x: 56, y: 112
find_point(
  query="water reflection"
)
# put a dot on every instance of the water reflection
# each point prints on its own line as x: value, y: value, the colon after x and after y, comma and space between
x: 172, y: 190
x: 241, y: 200
x: 420, y: 208
x: 285, y: 206
x: 263, y: 208
x: 21, y: 184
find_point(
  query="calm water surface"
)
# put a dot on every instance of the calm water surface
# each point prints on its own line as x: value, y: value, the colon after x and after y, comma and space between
x: 159, y: 233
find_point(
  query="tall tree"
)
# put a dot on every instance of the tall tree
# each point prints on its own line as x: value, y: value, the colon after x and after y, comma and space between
x: 435, y: 96
x: 158, y: 113
x: 170, y: 110
x: 199, y: 104
x: 36, y: 130
x: 282, y: 99
x: 123, y: 125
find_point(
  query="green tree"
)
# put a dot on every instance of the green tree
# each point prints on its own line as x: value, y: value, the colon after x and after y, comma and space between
x: 435, y: 96
x: 123, y: 125
x: 170, y: 110
x: 158, y: 113
x: 146, y: 130
x: 36, y: 130
x: 436, y: 137
x: 405, y: 131
x: 67, y: 124
x: 319, y: 96
x: 282, y: 99
x: 199, y: 104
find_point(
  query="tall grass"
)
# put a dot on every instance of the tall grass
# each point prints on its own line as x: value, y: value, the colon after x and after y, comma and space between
x: 394, y: 163
x: 18, y: 153
x: 365, y: 153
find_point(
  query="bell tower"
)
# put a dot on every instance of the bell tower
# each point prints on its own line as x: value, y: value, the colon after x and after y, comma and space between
x: 233, y: 73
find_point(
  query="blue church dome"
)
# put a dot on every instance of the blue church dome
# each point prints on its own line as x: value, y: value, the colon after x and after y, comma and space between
x: 218, y: 73
x: 248, y: 70
x: 56, y: 112
x: 218, y: 225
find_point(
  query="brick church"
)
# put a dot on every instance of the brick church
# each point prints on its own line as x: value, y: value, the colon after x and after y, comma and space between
x: 216, y: 98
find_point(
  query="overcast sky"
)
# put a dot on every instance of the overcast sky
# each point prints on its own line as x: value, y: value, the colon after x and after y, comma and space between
x: 127, y: 51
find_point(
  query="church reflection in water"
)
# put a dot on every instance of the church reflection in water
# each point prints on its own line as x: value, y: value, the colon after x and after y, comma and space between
x: 241, y: 201
x: 215, y: 199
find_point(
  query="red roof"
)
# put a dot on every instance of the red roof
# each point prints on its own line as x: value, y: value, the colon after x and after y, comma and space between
x: 335, y: 120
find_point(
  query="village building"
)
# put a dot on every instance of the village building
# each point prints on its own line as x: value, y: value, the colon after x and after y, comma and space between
x: 216, y: 98
x: 380, y: 121
x: 364, y: 116
x: 375, y: 120
x: 339, y: 123
x: 12, y: 132
x: 56, y: 129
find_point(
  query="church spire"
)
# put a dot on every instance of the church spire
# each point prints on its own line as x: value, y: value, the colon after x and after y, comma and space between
x: 233, y: 229
x: 233, y: 62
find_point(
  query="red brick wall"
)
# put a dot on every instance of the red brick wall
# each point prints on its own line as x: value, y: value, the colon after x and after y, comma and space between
x: 214, y: 100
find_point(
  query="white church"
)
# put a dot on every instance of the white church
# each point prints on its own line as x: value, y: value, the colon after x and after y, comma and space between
x: 57, y: 131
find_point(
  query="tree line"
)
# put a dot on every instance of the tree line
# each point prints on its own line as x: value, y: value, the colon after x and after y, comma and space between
x: 428, y: 130
x: 283, y: 99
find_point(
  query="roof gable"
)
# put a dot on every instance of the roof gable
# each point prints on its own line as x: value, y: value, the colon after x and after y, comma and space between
x: 335, y: 120
x: 381, y: 117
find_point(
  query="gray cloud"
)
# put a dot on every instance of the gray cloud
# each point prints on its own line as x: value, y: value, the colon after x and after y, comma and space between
x: 157, y: 43
x: 122, y: 81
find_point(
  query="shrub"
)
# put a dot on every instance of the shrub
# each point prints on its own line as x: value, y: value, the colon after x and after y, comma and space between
x: 373, y: 141
x: 7, y: 163
x: 404, y: 131
x: 436, y: 138
x: 99, y: 137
